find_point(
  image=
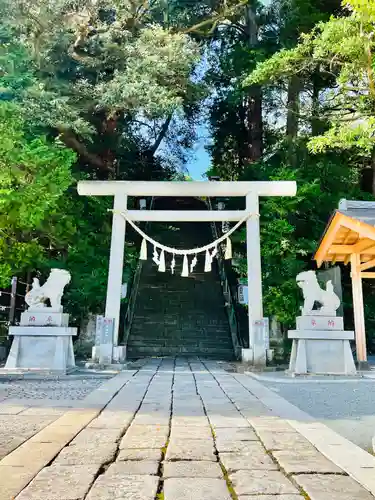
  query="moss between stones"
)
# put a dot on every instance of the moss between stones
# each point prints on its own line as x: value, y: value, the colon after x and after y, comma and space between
x: 232, y: 493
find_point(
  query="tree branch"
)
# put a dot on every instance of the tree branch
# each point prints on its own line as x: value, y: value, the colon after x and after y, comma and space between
x: 162, y: 134
x: 72, y: 142
x: 216, y: 18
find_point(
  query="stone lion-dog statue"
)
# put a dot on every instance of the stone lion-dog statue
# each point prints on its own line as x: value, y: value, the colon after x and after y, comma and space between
x: 312, y: 292
x: 52, y: 289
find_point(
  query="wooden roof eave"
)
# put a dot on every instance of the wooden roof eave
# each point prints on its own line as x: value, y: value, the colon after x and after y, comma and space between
x: 328, y: 238
x: 337, y: 221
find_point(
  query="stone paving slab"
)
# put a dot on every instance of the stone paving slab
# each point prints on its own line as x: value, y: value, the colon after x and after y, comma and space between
x: 12, y: 481
x: 150, y: 420
x: 81, y: 454
x: 91, y: 436
x: 350, y: 458
x: 145, y: 436
x: 139, y: 454
x: 195, y: 489
x: 271, y: 424
x: 126, y: 437
x: 116, y: 486
x: 7, y: 445
x: 303, y: 461
x: 235, y: 434
x: 220, y: 421
x: 135, y: 468
x: 271, y: 497
x: 274, y: 441
x: 191, y: 450
x: 45, y: 411
x: 110, y: 419
x: 257, y: 482
x: 33, y: 456
x: 190, y: 421
x: 254, y: 459
x: 190, y: 432
x: 192, y: 469
x: 323, y: 487
x: 233, y: 446
x: 19, y: 426
x: 7, y: 409
x: 60, y: 483
x: 55, y: 434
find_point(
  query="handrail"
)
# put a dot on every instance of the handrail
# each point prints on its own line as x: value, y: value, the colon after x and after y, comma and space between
x: 128, y: 318
x: 231, y: 302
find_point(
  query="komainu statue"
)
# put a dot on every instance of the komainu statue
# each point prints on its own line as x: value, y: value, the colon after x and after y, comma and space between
x: 312, y: 292
x: 52, y: 289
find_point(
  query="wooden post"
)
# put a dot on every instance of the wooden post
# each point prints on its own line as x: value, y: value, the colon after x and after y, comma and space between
x: 358, y: 309
x: 116, y: 264
x: 254, y: 277
x: 13, y: 300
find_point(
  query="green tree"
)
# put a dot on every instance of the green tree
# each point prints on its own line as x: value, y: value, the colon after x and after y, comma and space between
x: 34, y: 175
x: 294, y: 111
x: 342, y: 51
x: 106, y: 78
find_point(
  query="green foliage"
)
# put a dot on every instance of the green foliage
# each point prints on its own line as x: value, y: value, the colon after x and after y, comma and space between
x: 88, y: 90
x: 34, y: 174
x: 341, y: 48
x: 107, y: 77
x: 291, y: 227
x: 314, y: 62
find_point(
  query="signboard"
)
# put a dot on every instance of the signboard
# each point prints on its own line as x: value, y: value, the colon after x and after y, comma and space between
x: 243, y: 294
x: 98, y: 330
x: 106, y: 341
x: 124, y: 290
x: 106, y: 336
x: 262, y: 332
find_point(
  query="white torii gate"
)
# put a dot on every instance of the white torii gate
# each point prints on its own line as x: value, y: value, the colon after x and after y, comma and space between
x: 120, y: 190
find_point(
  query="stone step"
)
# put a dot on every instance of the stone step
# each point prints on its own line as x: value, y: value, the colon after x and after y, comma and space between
x: 171, y: 329
x: 139, y: 352
x: 177, y: 343
x: 158, y: 333
x: 175, y: 315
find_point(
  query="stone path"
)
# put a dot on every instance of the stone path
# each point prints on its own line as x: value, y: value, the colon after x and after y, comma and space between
x: 173, y: 430
x: 344, y: 404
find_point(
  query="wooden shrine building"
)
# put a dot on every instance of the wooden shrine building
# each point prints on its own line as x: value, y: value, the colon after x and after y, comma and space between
x: 350, y: 238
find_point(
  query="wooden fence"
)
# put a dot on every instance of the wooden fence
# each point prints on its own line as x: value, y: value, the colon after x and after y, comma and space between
x: 12, y: 304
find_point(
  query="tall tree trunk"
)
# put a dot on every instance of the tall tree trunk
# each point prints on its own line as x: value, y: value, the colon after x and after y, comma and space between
x: 315, y: 122
x: 254, y: 112
x: 294, y: 88
x: 293, y: 107
x: 255, y: 123
x: 373, y: 171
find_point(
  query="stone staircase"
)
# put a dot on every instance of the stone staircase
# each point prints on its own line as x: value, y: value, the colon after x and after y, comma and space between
x: 180, y: 316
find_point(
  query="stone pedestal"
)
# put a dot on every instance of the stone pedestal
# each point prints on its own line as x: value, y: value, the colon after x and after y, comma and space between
x: 43, y: 342
x: 321, y: 346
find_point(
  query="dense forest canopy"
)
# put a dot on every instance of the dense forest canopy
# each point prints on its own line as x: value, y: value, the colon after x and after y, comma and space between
x: 117, y: 89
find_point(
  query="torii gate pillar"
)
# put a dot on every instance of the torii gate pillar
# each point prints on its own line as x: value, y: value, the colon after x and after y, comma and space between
x: 258, y: 326
x: 256, y: 353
